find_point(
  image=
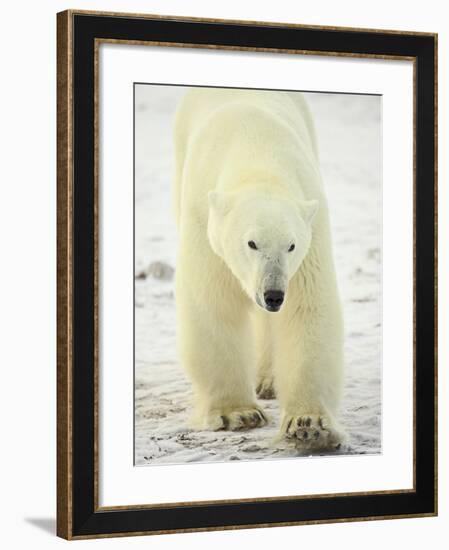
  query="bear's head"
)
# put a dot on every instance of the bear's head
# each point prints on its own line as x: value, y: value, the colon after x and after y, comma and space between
x: 262, y: 239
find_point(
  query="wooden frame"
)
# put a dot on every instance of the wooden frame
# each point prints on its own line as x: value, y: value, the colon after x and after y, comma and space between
x: 79, y: 34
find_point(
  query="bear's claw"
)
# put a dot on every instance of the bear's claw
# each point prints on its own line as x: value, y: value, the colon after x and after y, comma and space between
x: 243, y: 419
x: 265, y: 389
x: 312, y: 432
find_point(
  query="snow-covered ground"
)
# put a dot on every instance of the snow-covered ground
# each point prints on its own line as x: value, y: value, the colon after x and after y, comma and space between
x: 349, y: 134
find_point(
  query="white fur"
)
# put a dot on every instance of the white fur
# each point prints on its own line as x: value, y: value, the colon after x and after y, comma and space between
x: 247, y: 170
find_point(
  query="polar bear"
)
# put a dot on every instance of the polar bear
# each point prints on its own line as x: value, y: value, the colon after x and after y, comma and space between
x: 258, y: 307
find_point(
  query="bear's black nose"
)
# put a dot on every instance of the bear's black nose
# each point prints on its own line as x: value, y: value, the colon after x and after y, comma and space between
x: 273, y: 299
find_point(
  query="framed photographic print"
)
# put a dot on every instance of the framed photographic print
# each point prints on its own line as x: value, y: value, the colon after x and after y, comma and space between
x: 246, y: 274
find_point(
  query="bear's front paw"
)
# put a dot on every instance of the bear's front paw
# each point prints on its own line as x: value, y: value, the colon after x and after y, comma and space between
x: 240, y: 419
x: 312, y: 432
x: 265, y: 388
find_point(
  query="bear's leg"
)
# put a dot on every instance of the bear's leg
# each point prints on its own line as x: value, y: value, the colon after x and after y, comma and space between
x: 308, y: 369
x: 216, y: 353
x: 263, y: 342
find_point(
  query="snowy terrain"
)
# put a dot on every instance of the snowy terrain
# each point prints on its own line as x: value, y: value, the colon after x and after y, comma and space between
x: 349, y: 134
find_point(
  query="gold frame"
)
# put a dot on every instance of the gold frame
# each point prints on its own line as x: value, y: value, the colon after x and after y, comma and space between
x: 65, y: 264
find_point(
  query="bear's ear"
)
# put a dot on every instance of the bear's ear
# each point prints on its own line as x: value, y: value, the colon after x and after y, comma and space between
x: 220, y: 202
x: 308, y: 210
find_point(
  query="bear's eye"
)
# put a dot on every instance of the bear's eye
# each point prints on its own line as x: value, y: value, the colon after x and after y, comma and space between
x: 252, y: 245
x: 292, y: 247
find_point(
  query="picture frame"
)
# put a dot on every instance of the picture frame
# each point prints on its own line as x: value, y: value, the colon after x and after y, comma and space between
x: 79, y: 511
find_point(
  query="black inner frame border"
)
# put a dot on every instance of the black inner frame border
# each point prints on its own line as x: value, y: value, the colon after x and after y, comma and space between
x: 86, y: 520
